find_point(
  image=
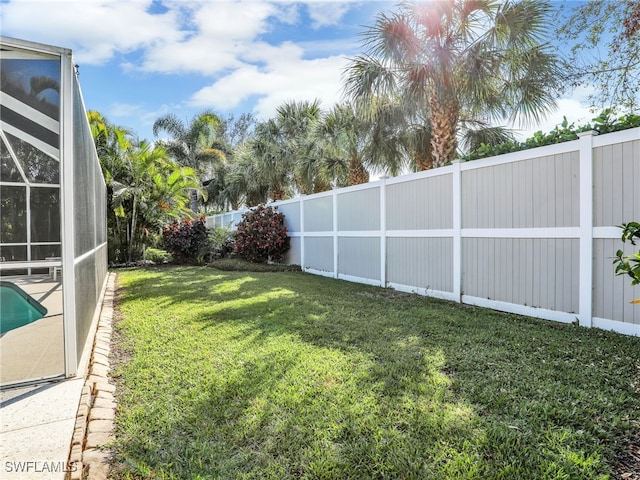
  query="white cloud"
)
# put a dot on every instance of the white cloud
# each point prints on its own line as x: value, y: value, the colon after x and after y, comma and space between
x: 196, y: 36
x: 326, y: 47
x: 125, y: 110
x: 139, y: 115
x: 222, y: 40
x: 196, y: 55
x: 575, y: 111
x: 94, y: 31
x: 292, y: 79
x: 327, y: 13
x: 228, y: 92
x: 225, y: 36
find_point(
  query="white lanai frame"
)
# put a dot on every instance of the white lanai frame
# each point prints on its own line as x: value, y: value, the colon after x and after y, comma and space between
x: 82, y: 206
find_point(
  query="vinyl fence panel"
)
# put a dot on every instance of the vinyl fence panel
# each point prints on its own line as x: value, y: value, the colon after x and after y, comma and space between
x: 318, y: 214
x: 358, y: 257
x: 359, y: 210
x: 420, y: 204
x: 420, y: 264
x: 531, y: 232
x: 534, y: 193
x: 318, y: 254
x: 291, y: 211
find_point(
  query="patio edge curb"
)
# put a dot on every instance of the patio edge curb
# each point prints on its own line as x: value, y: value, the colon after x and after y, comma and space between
x: 95, y: 418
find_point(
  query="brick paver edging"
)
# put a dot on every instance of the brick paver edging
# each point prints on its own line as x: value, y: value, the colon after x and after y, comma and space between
x: 96, y: 412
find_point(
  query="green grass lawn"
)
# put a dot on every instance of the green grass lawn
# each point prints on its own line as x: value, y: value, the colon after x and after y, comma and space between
x: 226, y: 374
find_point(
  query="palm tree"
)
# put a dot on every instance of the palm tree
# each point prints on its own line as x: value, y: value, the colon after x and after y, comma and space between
x: 232, y: 182
x: 273, y: 165
x: 284, y: 150
x: 344, y: 135
x: 474, y: 60
x: 243, y: 183
x: 111, y: 142
x: 298, y: 122
x: 193, y: 145
x: 154, y: 189
x: 144, y: 187
x: 112, y: 145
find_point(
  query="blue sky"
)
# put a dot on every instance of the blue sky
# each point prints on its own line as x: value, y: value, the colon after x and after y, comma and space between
x: 140, y: 59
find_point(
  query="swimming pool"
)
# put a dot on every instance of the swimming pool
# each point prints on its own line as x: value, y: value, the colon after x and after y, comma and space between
x: 17, y: 307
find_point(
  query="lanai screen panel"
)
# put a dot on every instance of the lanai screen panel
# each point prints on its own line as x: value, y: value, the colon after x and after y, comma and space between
x: 29, y: 157
x: 30, y: 209
x: 89, y: 215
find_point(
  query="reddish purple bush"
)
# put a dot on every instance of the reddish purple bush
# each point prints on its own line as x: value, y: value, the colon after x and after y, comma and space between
x: 261, y: 235
x: 186, y: 240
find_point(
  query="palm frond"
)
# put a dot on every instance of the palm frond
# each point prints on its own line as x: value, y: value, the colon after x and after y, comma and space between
x: 476, y: 133
x: 367, y: 77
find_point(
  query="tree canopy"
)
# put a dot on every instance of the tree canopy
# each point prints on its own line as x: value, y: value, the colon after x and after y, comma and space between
x: 604, y: 41
x: 145, y: 188
x: 473, y: 61
x: 194, y: 144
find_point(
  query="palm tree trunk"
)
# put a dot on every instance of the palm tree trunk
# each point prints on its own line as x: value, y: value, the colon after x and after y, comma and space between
x: 357, y: 173
x: 444, y: 127
x: 321, y: 185
x: 277, y: 192
x: 303, y: 186
x: 424, y: 161
x: 193, y: 200
x: 133, y: 232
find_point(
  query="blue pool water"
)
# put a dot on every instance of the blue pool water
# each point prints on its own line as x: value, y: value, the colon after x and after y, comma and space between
x: 17, y: 308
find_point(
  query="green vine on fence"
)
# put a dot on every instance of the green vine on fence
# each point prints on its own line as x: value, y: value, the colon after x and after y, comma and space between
x: 629, y: 264
x: 565, y: 132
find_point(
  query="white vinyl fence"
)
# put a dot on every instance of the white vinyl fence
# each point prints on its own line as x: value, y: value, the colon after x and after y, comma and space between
x: 531, y: 232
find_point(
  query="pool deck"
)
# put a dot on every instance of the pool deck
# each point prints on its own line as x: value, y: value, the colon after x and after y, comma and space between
x: 35, y: 350
x: 37, y: 422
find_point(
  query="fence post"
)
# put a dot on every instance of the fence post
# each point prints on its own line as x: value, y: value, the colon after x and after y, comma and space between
x: 585, y: 296
x: 383, y: 231
x: 456, y: 191
x: 334, y: 197
x: 302, y: 232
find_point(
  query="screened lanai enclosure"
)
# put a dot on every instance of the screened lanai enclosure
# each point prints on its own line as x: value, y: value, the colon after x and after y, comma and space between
x: 53, y: 241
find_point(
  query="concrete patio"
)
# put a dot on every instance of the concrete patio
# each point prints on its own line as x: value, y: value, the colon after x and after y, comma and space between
x: 39, y: 423
x: 37, y: 426
x: 35, y: 350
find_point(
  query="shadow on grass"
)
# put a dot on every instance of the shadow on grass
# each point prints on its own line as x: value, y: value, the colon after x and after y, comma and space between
x: 293, y: 376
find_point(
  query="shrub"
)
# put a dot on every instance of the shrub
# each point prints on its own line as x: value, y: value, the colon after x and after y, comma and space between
x: 187, y: 241
x: 261, y: 235
x: 221, y: 240
x: 629, y: 264
x: 157, y: 256
x: 239, y: 265
x: 603, y: 123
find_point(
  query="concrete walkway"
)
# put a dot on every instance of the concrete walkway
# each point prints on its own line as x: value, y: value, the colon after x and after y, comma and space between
x: 37, y: 425
x: 55, y: 430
